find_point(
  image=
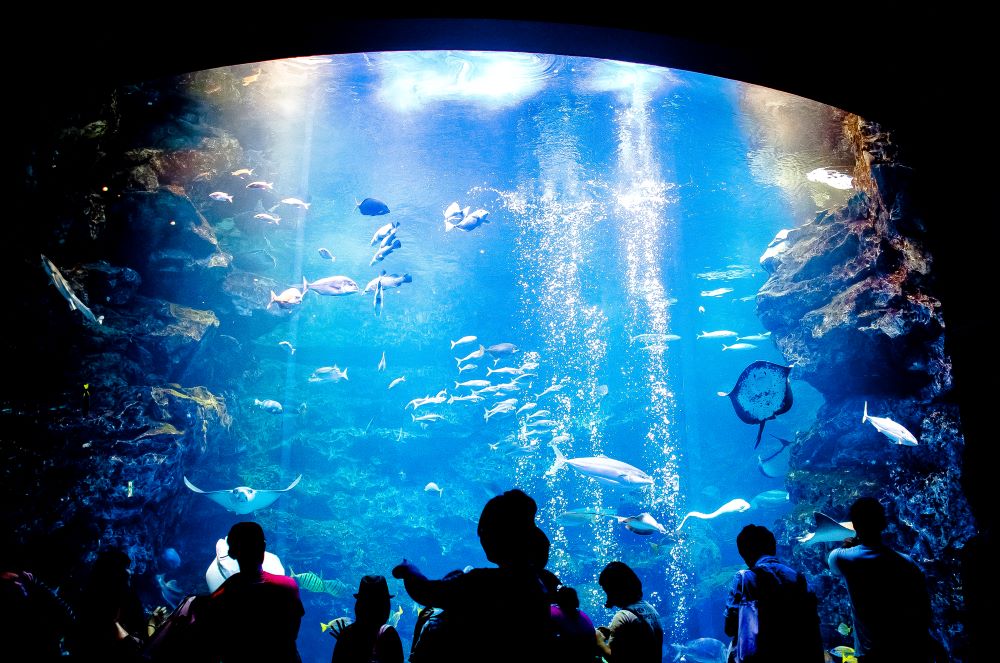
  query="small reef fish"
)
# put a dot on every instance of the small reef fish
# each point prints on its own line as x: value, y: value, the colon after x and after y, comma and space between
x: 268, y: 218
x: 288, y: 298
x: 644, y: 524
x: 325, y: 254
x: 584, y: 515
x: 606, y: 470
x: 394, y: 617
x: 426, y: 417
x: 472, y: 383
x: 843, y: 629
x: 732, y: 506
x: 328, y: 374
x: 383, y: 252
x: 472, y: 355
x: 387, y: 281
x: 499, y: 408
x: 470, y: 221
x: 221, y: 196
x: 311, y: 582
x: 396, y: 381
x: 827, y: 530
x: 654, y: 338
x: 895, y: 432
x: 295, y: 202
x: 372, y: 207
x: 843, y: 654
x: 831, y: 178
x: 466, y: 367
x: 288, y: 346
x: 756, y: 337
x: 464, y: 339
x: 738, y: 346
x: 475, y: 398
x: 722, y: 333
x: 550, y: 389
x: 433, y: 487
x: 384, y: 232
x: 267, y: 186
x: 331, y: 286
x: 336, y: 626
x: 526, y: 407
x: 502, y: 349
x: 381, y: 363
x: 242, y: 172
x: 63, y: 286
x: 718, y: 292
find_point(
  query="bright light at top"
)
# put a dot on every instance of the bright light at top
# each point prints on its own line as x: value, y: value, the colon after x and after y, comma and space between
x: 628, y: 77
x: 413, y: 80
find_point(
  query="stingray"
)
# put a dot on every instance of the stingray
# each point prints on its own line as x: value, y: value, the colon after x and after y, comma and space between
x: 828, y: 530
x: 774, y: 464
x: 762, y: 392
x: 243, y: 499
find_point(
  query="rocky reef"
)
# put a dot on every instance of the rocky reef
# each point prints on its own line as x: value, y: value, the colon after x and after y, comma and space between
x: 853, y: 304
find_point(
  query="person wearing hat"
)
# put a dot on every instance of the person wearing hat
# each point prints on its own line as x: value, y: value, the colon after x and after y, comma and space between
x: 635, y: 634
x: 369, y: 639
x: 254, y: 615
x: 496, y: 614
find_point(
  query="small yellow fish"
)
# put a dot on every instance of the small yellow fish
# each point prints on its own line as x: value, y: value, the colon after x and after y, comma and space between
x: 394, y: 617
x: 844, y: 654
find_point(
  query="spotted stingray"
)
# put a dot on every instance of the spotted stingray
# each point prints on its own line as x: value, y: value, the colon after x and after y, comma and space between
x: 762, y: 392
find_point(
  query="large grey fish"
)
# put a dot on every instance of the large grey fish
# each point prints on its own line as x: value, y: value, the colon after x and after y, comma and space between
x: 387, y: 281
x: 606, y: 470
x: 384, y: 232
x: 469, y: 222
x: 243, y: 499
x: 892, y: 430
x: 331, y: 286
x: 62, y: 285
x: 701, y: 650
x: 761, y: 393
x: 385, y: 251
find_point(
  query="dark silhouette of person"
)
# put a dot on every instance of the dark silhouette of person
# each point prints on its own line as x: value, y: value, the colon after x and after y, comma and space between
x: 496, y: 614
x: 368, y: 639
x: 254, y: 615
x: 788, y: 627
x: 33, y: 619
x: 575, y: 639
x: 431, y: 642
x: 888, y: 592
x: 635, y: 634
x: 111, y: 623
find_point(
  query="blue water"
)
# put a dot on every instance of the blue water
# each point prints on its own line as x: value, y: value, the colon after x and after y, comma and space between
x: 616, y: 194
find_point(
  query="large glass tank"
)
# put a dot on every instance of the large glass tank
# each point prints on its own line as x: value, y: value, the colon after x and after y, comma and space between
x: 401, y: 283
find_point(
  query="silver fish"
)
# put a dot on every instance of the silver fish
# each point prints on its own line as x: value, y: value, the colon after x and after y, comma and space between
x: 274, y: 407
x: 426, y: 417
x: 722, y: 333
x: 895, y: 432
x: 738, y: 346
x: 268, y: 186
x: 385, y: 251
x: 384, y: 232
x: 603, y: 469
x: 221, y: 196
x: 328, y: 374
x: 718, y: 292
x: 472, y: 355
x: 464, y: 339
x: 397, y: 381
x: 272, y: 219
x: 62, y: 285
x: 331, y: 286
x: 295, y: 202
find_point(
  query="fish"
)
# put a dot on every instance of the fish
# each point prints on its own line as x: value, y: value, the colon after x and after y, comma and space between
x: 722, y: 333
x: 311, y: 582
x: 476, y: 354
x: 383, y: 252
x: 644, y: 524
x: 762, y: 392
x: 170, y: 559
x: 378, y: 299
x: 475, y: 398
x: 701, y: 650
x: 336, y: 626
x: 464, y: 339
x: 469, y: 222
x: 466, y: 367
x: 738, y: 346
x: 269, y: 218
x: 895, y: 432
x: 546, y: 423
x: 701, y: 309
x: 397, y: 381
x: 243, y: 499
x: 550, y: 389
x: 426, y: 417
x: 453, y: 213
x: 394, y: 617
x: 831, y: 178
x: 381, y: 363
x: 267, y: 186
x: 328, y: 374
x: 472, y: 383
x: 843, y: 629
x: 559, y: 439
x: 502, y: 349
x: 843, y: 654
x: 170, y: 591
x: 718, y: 292
x: 433, y: 487
x: 732, y: 506
x: 289, y: 297
x: 384, y: 232
x: 504, y: 370
x: 331, y: 286
x: 274, y: 407
x: 827, y: 530
x: 325, y: 254
x: 606, y: 470
x: 755, y: 337
x: 583, y: 515
x: 242, y: 172
x: 654, y: 338
x: 252, y: 78
x: 221, y: 196
x: 288, y: 346
x: 255, y: 261
x: 387, y: 281
x: 295, y: 202
x: 770, y: 499
x: 64, y: 289
x: 499, y: 408
x: 372, y: 207
x: 526, y: 407
x: 775, y: 465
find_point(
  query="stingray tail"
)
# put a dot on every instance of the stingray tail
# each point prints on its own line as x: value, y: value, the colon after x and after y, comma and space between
x: 760, y: 431
x: 864, y: 417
